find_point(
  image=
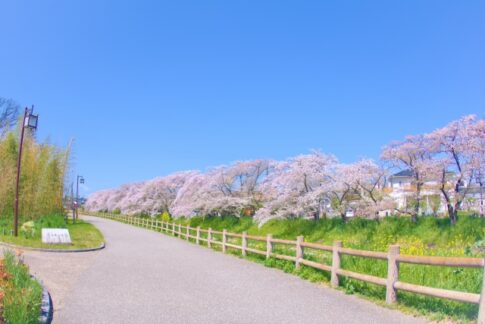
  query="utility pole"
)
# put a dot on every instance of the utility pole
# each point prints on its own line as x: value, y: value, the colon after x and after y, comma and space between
x: 29, y: 121
x: 73, y: 206
x: 80, y: 179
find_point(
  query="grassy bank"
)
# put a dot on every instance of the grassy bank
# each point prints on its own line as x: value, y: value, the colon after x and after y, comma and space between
x: 430, y: 236
x: 21, y: 295
x: 83, y: 234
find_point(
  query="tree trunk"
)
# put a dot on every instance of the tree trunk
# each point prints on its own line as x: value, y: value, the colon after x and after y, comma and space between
x: 316, y: 216
x: 414, y: 217
x: 452, y: 213
x: 344, y: 216
x: 416, y: 210
x: 482, y: 207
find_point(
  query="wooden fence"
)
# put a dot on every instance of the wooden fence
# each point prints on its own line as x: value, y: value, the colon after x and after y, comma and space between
x: 393, y: 258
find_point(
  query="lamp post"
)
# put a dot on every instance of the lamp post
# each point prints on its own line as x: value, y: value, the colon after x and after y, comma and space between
x: 30, y: 121
x: 80, y: 179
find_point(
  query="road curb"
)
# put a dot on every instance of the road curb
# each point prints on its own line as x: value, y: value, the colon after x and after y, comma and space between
x: 46, y: 308
x: 12, y: 246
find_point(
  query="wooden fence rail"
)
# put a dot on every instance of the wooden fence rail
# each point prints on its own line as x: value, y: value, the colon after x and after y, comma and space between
x: 393, y: 258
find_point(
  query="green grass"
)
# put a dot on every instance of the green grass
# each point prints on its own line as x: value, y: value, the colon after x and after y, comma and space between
x: 22, y: 294
x: 83, y: 234
x: 430, y: 236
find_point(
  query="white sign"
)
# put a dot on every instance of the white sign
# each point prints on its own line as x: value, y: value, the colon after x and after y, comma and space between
x: 56, y: 236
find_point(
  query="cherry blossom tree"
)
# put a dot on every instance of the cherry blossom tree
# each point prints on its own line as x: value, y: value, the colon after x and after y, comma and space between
x: 315, y: 185
x: 478, y: 146
x: 293, y: 189
x: 457, y: 159
x: 369, y: 181
x: 412, y: 154
x: 188, y: 200
x: 223, y: 190
x: 150, y: 197
x: 159, y: 194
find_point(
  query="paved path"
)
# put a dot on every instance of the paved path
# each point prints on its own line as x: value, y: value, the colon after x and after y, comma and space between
x: 147, y: 277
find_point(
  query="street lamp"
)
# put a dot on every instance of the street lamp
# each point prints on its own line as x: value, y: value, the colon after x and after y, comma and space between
x: 30, y: 121
x: 80, y: 180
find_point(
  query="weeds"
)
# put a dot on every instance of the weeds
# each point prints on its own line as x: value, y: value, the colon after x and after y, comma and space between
x: 22, y: 294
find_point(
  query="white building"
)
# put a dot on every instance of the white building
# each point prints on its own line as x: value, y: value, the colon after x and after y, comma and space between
x: 401, y: 187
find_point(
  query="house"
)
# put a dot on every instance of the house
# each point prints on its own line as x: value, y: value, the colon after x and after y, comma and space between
x: 475, y: 199
x: 401, y: 187
x: 402, y: 180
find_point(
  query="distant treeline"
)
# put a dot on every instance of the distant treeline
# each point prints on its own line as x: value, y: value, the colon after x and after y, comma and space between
x: 441, y: 172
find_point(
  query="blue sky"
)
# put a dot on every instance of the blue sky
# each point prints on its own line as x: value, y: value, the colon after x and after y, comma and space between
x: 150, y: 87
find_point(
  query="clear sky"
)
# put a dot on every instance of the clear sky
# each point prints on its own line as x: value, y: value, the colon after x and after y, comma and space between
x: 151, y: 87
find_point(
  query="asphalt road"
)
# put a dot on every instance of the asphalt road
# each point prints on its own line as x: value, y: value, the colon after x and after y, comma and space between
x: 147, y: 277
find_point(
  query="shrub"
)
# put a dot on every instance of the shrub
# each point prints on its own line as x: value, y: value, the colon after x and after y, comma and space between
x: 166, y: 217
x: 23, y: 294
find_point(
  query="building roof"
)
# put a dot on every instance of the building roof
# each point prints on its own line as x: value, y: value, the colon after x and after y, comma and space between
x: 404, y: 173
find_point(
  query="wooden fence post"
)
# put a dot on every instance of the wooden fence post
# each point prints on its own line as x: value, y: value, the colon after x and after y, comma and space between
x: 481, y: 310
x: 299, y: 251
x: 197, y: 240
x: 269, y: 246
x: 187, y: 233
x: 224, y: 240
x: 173, y: 229
x: 392, y: 274
x: 180, y: 230
x: 244, y: 244
x: 209, y: 237
x: 335, y: 263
